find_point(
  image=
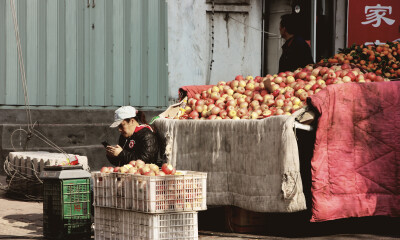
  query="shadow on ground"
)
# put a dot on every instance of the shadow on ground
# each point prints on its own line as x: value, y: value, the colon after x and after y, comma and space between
x: 290, y: 225
x: 33, y: 222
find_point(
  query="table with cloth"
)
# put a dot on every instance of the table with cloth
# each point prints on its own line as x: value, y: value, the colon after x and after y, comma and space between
x: 251, y: 164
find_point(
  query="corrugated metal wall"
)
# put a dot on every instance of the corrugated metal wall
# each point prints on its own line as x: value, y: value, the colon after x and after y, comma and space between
x: 85, y: 53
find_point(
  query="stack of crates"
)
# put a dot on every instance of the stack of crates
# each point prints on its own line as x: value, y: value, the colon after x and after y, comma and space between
x: 66, y: 202
x: 129, y: 206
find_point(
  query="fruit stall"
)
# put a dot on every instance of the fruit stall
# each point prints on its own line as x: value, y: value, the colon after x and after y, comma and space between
x: 243, y: 132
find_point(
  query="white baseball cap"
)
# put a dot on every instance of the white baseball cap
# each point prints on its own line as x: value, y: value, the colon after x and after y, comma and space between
x: 122, y: 113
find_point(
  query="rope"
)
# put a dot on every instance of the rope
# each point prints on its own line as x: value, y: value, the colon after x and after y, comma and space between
x: 11, y: 170
x: 21, y: 63
x: 262, y: 31
x: 31, y: 131
x: 16, y: 190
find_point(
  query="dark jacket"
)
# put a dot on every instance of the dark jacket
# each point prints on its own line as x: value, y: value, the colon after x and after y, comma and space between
x: 142, y: 145
x: 295, y: 54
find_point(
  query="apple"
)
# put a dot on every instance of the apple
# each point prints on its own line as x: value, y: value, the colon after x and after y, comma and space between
x: 116, y: 169
x: 133, y: 163
x: 231, y: 103
x: 278, y: 80
x: 123, y: 169
x: 230, y: 92
x: 296, y: 101
x: 239, y: 77
x: 279, y: 111
x: 212, y: 117
x: 215, y: 89
x: 302, y: 75
x: 140, y: 163
x: 290, y: 79
x: 132, y: 170
x: 194, y: 114
x: 279, y: 103
x: 104, y: 170
x: 266, y: 113
x: 250, y: 86
x: 242, y: 83
x: 188, y: 109
x: 234, y: 84
x: 254, y: 115
x: 215, y: 110
x: 244, y: 105
x: 303, y: 96
x: 232, y: 113
x: 199, y: 108
x: 167, y: 168
x: 223, y: 114
x: 221, y: 83
x: 154, y: 168
x: 145, y: 169
x: 270, y: 102
x: 241, y: 89
x: 241, y: 112
x: 346, y: 79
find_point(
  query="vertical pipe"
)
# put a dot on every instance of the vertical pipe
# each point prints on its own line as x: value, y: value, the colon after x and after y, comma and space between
x: 313, y: 29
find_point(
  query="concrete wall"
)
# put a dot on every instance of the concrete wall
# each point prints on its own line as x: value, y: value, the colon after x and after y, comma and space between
x: 75, y: 131
x: 237, y: 47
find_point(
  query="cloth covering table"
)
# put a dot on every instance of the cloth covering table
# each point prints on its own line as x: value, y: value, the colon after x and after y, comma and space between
x: 251, y: 164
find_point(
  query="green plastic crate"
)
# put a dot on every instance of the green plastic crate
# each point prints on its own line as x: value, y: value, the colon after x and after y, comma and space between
x: 66, y: 208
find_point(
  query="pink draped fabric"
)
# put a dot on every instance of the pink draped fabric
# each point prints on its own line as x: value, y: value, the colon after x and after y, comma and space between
x: 356, y: 161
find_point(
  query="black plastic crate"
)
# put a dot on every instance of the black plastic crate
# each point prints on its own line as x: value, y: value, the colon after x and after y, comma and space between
x: 66, y: 208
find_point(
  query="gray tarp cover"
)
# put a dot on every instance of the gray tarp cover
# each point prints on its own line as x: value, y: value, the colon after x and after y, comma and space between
x: 251, y: 164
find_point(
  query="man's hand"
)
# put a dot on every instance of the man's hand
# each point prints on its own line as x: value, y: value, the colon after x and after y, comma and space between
x: 267, y: 84
x: 113, y: 151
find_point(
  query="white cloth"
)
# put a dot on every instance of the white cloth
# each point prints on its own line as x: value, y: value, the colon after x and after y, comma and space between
x: 251, y: 164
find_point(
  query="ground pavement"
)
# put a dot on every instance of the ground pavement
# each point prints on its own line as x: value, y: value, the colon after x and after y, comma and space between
x: 24, y: 220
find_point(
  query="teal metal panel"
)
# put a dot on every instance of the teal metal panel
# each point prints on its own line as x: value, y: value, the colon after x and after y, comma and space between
x: 144, y: 54
x: 42, y: 53
x: 110, y: 54
x: 61, y: 53
x: 137, y: 74
x: 98, y: 48
x: 13, y: 82
x: 3, y: 52
x: 153, y: 63
x: 81, y: 9
x: 31, y: 61
x: 51, y: 52
x: 71, y: 55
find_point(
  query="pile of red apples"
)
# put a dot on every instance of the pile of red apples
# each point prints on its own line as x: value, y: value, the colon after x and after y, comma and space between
x: 280, y: 94
x: 139, y: 167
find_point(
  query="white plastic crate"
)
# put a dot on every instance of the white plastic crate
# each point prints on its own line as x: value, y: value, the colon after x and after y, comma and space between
x: 111, y: 223
x: 151, y: 194
x: 29, y: 163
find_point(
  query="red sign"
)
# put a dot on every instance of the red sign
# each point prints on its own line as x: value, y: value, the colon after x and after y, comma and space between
x: 373, y: 21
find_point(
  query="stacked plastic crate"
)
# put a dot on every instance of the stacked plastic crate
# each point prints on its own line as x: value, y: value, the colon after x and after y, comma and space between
x: 129, y: 206
x: 66, y: 202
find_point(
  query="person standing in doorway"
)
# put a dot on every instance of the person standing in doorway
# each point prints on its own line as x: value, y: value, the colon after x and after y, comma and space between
x: 296, y: 53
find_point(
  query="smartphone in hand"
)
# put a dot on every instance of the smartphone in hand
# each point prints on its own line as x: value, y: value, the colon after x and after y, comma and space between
x: 105, y: 144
